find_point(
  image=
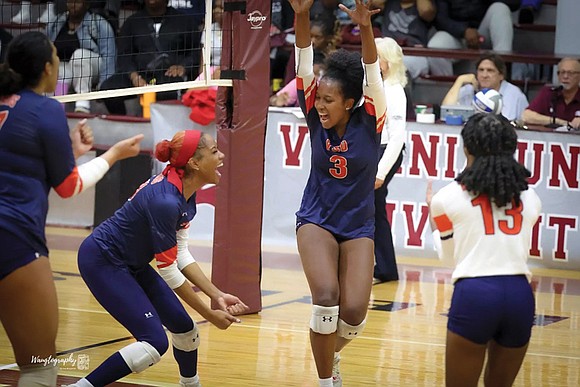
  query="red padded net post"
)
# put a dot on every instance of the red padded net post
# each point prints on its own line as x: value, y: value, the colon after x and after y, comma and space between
x: 241, y: 128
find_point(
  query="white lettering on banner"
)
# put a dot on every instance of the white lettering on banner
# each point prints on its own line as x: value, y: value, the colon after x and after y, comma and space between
x: 293, y: 137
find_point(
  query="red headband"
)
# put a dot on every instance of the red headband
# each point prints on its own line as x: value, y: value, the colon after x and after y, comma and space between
x: 188, y: 148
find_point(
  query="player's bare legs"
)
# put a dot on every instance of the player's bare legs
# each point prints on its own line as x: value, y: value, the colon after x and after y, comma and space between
x: 355, y: 273
x: 503, y: 364
x: 29, y: 311
x: 319, y: 253
x: 463, y: 361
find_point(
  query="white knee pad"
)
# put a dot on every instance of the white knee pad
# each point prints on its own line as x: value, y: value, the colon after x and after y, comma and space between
x: 38, y: 375
x: 324, y: 319
x: 188, y: 341
x: 139, y: 356
x: 350, y: 331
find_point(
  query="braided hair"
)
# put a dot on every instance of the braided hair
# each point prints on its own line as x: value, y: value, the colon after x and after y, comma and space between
x: 345, y: 67
x: 492, y: 140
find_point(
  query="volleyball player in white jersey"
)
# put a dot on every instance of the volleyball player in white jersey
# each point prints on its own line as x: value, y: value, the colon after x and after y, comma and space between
x: 485, y: 218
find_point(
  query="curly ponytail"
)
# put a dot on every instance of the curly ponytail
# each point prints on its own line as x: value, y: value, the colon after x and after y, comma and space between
x: 492, y: 140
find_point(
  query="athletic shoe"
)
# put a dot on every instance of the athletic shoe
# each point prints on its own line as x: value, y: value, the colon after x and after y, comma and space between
x: 82, y: 109
x: 336, y: 378
x: 23, y: 16
x: 49, y: 13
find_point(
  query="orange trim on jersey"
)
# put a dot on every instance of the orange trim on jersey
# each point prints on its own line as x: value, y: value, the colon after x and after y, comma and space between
x: 299, y: 83
x: 71, y: 185
x: 166, y: 258
x: 3, y: 117
x: 310, y: 95
x: 381, y: 122
x: 443, y: 223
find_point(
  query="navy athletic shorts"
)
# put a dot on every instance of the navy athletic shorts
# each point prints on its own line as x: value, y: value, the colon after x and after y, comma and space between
x: 363, y: 232
x: 497, y: 307
x: 14, y: 253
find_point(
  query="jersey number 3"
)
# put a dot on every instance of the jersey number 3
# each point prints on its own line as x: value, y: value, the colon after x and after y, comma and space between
x: 504, y: 226
x: 340, y: 170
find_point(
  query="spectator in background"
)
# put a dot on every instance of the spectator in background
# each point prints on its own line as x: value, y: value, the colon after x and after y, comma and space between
x: 324, y: 10
x: 527, y: 10
x: 216, y: 32
x: 471, y: 24
x: 156, y: 45
x: 85, y: 44
x: 5, y: 38
x: 288, y: 95
x: 558, y: 105
x: 391, y: 154
x: 192, y: 8
x: 491, y: 73
x: 281, y: 40
x: 324, y: 38
x: 408, y: 22
x: 109, y: 9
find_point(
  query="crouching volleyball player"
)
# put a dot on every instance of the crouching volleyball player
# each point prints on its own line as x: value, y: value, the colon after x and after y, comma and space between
x: 114, y: 263
x: 37, y: 153
x: 485, y: 219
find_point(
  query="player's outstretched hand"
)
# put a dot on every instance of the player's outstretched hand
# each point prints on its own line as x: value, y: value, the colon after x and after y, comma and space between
x: 361, y: 14
x: 301, y: 6
x: 232, y: 304
x: 82, y: 138
x: 222, y: 319
x: 129, y: 147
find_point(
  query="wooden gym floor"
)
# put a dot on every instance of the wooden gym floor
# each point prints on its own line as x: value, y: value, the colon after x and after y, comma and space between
x: 402, y: 345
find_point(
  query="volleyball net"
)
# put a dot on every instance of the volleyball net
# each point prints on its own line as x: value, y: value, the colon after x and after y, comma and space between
x: 134, y: 54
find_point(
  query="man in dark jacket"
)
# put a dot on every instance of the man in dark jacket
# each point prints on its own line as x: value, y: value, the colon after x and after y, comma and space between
x: 156, y: 45
x: 471, y: 24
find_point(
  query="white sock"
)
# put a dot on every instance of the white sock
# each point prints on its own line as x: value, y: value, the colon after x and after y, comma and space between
x: 38, y: 375
x: 189, y: 382
x: 84, y: 105
x: 81, y: 383
x: 325, y: 382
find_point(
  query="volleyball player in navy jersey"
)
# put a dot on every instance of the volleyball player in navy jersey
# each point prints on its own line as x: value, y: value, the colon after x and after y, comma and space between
x: 345, y: 114
x: 37, y: 153
x: 114, y: 263
x: 485, y: 219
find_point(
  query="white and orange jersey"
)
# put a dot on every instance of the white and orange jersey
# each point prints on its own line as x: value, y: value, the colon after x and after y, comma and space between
x: 484, y: 240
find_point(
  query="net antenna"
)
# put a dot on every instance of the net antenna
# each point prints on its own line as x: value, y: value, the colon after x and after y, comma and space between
x: 206, y: 82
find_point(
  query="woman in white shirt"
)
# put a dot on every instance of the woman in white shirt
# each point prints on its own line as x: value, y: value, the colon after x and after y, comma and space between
x: 393, y: 138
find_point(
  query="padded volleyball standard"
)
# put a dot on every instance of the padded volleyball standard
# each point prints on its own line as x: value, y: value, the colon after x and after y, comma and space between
x: 487, y: 101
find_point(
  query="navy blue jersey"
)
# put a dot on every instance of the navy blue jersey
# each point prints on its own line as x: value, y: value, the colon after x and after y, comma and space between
x: 146, y: 226
x: 339, y: 194
x: 35, y: 155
